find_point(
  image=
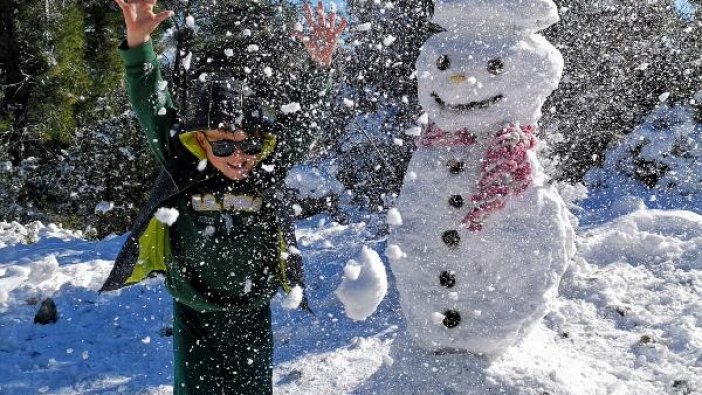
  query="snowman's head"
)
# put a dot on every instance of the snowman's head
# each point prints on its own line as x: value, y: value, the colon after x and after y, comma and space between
x: 466, y: 81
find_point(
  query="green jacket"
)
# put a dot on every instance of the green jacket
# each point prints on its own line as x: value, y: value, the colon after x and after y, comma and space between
x: 152, y: 246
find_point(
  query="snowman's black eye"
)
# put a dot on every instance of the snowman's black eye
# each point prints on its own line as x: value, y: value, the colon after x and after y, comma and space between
x: 443, y: 62
x: 496, y: 66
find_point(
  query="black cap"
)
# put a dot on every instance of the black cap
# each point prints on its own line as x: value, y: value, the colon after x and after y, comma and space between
x: 223, y: 102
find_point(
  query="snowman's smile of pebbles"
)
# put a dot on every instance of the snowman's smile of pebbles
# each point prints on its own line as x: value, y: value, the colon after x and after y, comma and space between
x: 466, y: 106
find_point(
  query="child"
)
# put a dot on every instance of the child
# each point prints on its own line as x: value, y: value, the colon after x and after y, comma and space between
x: 225, y: 253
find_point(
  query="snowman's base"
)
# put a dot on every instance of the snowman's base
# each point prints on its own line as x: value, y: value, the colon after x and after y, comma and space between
x: 526, y: 369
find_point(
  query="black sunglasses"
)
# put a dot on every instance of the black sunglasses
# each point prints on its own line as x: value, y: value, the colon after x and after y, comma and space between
x: 250, y: 146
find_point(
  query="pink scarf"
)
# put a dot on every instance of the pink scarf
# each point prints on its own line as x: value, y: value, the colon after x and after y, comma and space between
x: 505, y: 171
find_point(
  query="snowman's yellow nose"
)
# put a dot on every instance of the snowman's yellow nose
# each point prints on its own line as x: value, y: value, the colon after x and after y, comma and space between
x: 458, y: 79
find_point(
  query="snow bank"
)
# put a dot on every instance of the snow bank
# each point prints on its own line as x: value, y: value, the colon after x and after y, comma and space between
x: 364, y: 285
x: 658, y: 165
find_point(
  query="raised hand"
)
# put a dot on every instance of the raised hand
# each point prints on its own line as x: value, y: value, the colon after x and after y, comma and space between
x: 323, y: 34
x: 140, y: 19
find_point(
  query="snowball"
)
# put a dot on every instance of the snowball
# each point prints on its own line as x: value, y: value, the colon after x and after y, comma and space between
x: 161, y: 111
x: 290, y: 108
x: 397, y: 141
x: 252, y: 48
x: 146, y: 340
x: 229, y: 52
x: 664, y: 96
x: 104, y: 207
x: 297, y: 209
x: 267, y: 71
x: 394, y: 252
x: 202, y: 165
x: 166, y: 215
x: 185, y: 62
x: 393, y: 218
x: 388, y: 40
x: 643, y: 66
x: 293, y: 299
x: 268, y: 168
x: 362, y: 296
x: 202, y: 77
x: 246, y: 32
x: 43, y: 269
x: 363, y: 27
x: 348, y: 102
x: 190, y: 21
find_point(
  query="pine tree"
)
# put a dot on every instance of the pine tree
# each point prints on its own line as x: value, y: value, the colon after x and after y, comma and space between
x: 621, y: 60
x: 380, y: 82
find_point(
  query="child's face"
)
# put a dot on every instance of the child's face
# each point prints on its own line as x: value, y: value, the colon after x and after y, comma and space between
x: 236, y: 166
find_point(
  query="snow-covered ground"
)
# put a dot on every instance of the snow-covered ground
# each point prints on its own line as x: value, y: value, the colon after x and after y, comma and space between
x: 628, y: 321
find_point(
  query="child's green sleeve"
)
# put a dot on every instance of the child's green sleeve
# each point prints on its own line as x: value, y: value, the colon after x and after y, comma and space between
x: 149, y: 96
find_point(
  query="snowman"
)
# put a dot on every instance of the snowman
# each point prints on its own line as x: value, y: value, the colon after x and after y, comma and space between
x: 484, y: 236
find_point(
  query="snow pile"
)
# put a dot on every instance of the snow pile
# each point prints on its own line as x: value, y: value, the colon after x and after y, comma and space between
x: 364, y: 285
x: 12, y: 233
x: 659, y: 164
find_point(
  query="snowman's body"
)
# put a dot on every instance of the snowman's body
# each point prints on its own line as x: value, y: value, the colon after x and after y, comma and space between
x: 476, y: 269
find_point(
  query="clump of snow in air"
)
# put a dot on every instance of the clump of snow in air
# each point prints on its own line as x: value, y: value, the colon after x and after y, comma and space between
x: 186, y: 61
x: 363, y: 27
x: 393, y: 217
x: 394, y: 252
x: 166, y: 215
x: 362, y: 295
x: 268, y: 168
x: 348, y: 102
x: 161, y: 111
x: 388, y: 40
x: 293, y: 299
x: 267, y: 71
x: 202, y: 77
x: 202, y: 164
x: 190, y: 21
x: 246, y: 32
x: 252, y: 48
x: 290, y: 108
x: 104, y: 207
x: 297, y: 209
x: 664, y: 96
x: 229, y: 52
